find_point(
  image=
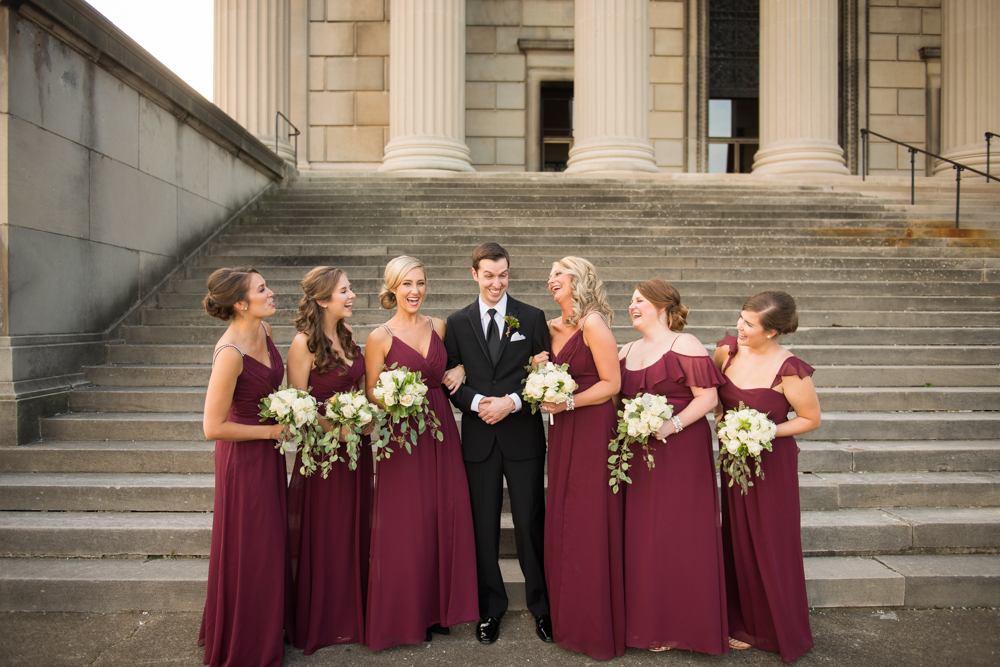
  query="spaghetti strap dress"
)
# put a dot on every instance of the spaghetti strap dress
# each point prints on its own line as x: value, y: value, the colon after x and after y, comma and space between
x: 583, y: 521
x: 423, y: 554
x: 761, y: 531
x: 247, y: 568
x: 675, y: 593
x: 329, y: 531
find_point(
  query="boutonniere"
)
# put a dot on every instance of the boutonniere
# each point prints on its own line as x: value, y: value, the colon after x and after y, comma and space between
x: 512, y: 323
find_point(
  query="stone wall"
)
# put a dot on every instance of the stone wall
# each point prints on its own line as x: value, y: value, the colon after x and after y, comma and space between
x: 903, y: 86
x: 103, y: 190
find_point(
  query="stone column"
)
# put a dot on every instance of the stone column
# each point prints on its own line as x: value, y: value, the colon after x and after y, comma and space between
x: 251, y: 66
x: 427, y: 83
x: 970, y: 82
x: 798, y: 88
x: 611, y: 90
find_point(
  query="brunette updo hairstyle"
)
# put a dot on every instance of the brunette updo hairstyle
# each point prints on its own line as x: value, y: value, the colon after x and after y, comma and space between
x: 395, y: 271
x: 776, y: 310
x: 318, y: 285
x: 226, y: 288
x: 665, y: 296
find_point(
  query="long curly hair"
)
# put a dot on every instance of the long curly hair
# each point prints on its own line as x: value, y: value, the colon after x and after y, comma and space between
x: 589, y: 293
x: 318, y: 285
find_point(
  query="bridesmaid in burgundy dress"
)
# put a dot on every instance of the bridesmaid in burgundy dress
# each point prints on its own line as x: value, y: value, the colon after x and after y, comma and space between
x: 247, y: 568
x: 761, y: 531
x: 675, y: 594
x: 423, y: 554
x: 329, y: 520
x: 583, y: 518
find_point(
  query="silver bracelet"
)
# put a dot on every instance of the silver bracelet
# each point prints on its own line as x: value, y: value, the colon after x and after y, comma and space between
x: 570, y: 402
x: 678, y: 426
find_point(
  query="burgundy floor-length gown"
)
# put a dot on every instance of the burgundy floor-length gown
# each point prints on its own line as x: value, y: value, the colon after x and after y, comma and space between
x: 423, y: 555
x: 329, y: 530
x: 242, y: 625
x: 675, y: 593
x: 583, y: 521
x: 761, y: 531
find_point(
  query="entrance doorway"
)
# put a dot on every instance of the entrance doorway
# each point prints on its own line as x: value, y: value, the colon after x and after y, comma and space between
x: 733, y: 82
x: 556, y: 124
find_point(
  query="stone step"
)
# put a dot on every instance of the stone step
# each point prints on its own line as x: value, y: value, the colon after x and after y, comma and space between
x: 899, y: 455
x: 531, y: 288
x: 809, y: 318
x: 831, y: 491
x: 123, y: 426
x: 875, y: 355
x: 841, y: 532
x: 113, y: 456
x: 107, y: 492
x: 697, y: 303
x: 178, y: 584
x: 209, y: 334
x: 139, y: 399
x: 906, y: 426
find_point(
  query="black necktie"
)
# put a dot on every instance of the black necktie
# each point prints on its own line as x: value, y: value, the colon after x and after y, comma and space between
x: 493, y: 335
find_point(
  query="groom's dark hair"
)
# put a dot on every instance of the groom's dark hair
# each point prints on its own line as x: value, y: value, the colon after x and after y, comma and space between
x: 493, y: 251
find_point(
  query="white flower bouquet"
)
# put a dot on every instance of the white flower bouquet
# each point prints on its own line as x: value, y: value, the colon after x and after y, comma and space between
x: 743, y: 434
x: 402, y: 392
x: 639, y: 419
x: 548, y: 383
x: 296, y: 410
x: 350, y: 409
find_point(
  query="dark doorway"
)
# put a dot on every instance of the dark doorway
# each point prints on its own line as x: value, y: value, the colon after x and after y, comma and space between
x: 556, y: 124
x: 733, y: 81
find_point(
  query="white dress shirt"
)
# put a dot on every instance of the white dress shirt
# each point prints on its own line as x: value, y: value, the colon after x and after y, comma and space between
x: 484, y: 320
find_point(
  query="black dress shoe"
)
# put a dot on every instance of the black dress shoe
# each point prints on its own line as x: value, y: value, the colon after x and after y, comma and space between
x: 427, y: 637
x: 438, y: 630
x: 543, y: 627
x: 488, y: 630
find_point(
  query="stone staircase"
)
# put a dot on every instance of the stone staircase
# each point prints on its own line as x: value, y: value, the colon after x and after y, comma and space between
x: 900, y: 315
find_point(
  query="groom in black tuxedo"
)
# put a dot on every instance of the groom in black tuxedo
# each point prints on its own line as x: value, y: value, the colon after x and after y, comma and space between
x: 493, y: 338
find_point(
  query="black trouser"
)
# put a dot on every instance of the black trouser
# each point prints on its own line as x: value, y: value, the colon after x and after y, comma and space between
x: 527, y: 505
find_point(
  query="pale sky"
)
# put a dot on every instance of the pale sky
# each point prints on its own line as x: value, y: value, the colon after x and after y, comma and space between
x: 177, y: 32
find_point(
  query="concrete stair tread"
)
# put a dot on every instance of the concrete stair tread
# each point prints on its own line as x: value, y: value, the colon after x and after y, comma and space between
x: 106, y: 520
x: 109, y: 480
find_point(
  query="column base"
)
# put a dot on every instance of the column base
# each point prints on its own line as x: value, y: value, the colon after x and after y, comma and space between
x: 284, y: 149
x: 438, y: 153
x: 800, y: 156
x: 611, y: 154
x: 973, y: 156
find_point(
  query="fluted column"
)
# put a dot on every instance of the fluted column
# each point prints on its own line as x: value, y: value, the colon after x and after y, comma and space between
x: 427, y: 82
x: 970, y: 81
x: 611, y: 87
x: 798, y: 88
x: 251, y: 66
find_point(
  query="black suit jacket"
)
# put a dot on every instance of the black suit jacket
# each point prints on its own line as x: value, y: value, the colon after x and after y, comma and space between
x: 520, y: 434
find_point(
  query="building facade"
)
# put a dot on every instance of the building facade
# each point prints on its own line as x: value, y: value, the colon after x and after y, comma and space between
x: 768, y: 86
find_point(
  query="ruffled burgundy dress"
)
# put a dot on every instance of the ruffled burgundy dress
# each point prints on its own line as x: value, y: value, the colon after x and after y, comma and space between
x: 675, y: 593
x: 423, y: 555
x: 761, y: 531
x: 247, y: 566
x: 329, y: 530
x: 583, y: 521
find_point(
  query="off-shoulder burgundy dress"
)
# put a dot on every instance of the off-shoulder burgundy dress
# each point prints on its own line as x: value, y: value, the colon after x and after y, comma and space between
x: 247, y: 567
x: 761, y: 531
x: 329, y: 530
x: 423, y: 555
x: 675, y: 593
x: 583, y: 521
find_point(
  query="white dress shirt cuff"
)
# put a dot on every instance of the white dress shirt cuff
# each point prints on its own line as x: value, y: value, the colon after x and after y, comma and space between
x: 517, y: 402
x: 475, y: 402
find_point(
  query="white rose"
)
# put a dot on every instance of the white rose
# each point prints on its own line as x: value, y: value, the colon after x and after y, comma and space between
x: 550, y: 395
x: 359, y: 401
x: 633, y: 430
x: 389, y: 400
x: 406, y: 400
x: 364, y: 417
x: 655, y: 423
x: 754, y: 448
x: 345, y: 399
x: 733, y: 446
x: 386, y: 378
x: 348, y: 411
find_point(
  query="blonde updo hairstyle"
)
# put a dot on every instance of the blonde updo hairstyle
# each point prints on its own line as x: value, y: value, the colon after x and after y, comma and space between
x: 776, y: 309
x: 318, y: 285
x: 395, y: 271
x: 589, y: 293
x: 227, y: 287
x: 665, y: 297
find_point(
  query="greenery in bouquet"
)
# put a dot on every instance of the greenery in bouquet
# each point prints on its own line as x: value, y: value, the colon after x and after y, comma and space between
x: 403, y: 393
x: 350, y: 409
x: 743, y: 434
x: 296, y: 410
x: 547, y: 383
x: 638, y: 420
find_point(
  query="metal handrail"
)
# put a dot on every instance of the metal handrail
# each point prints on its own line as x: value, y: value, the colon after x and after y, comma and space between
x: 295, y: 134
x: 957, y: 166
x: 989, y: 135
